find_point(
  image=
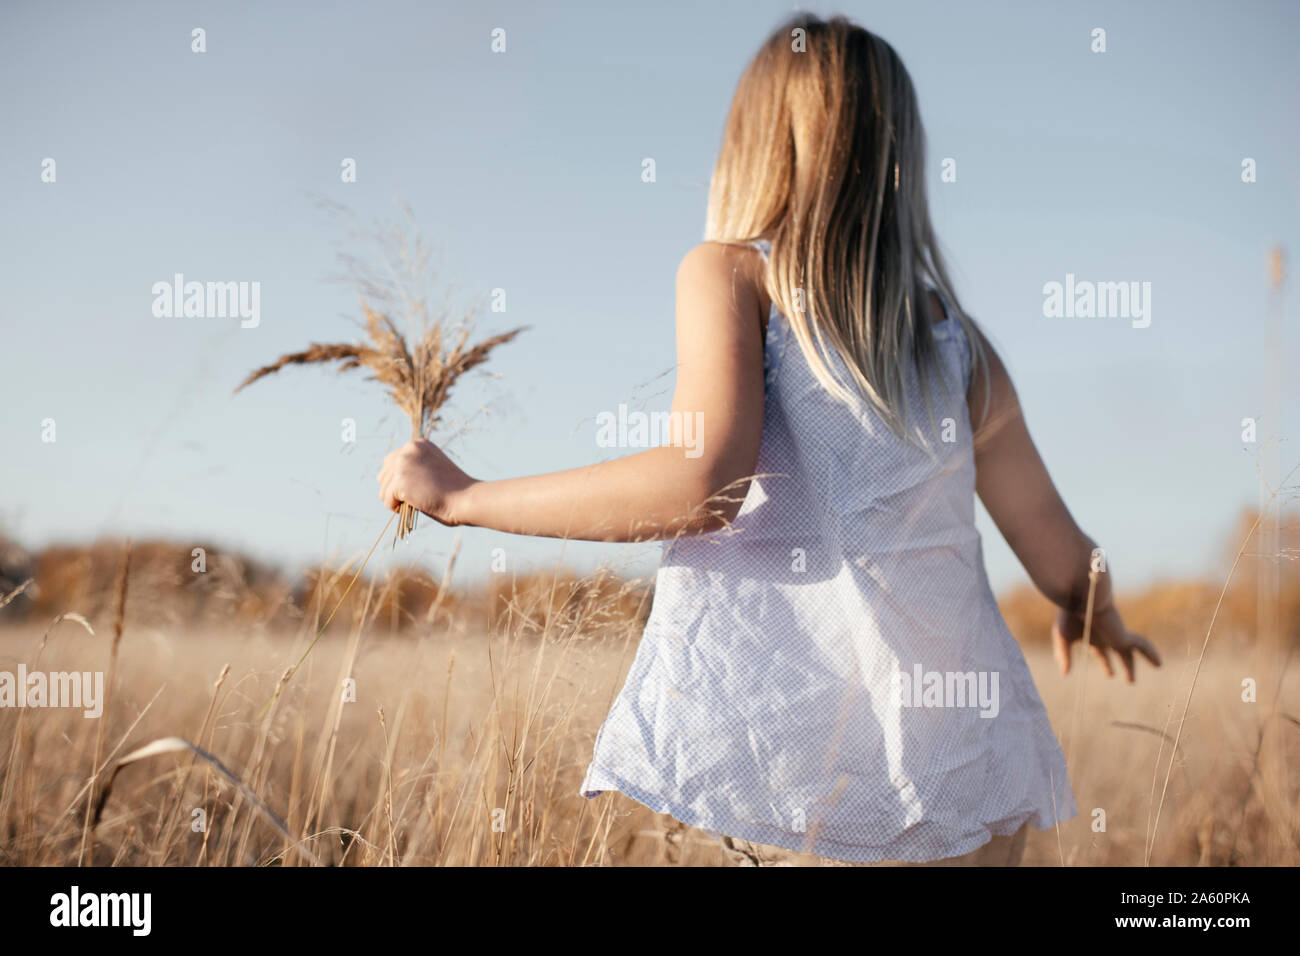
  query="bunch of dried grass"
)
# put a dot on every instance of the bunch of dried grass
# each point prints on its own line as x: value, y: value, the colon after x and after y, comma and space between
x: 419, y: 378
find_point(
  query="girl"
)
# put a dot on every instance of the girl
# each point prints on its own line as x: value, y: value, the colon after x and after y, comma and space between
x: 824, y: 668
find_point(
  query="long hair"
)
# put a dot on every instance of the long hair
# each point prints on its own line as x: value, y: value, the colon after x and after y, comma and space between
x: 823, y: 154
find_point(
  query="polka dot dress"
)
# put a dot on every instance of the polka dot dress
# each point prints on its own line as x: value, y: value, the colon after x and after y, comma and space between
x: 831, y: 674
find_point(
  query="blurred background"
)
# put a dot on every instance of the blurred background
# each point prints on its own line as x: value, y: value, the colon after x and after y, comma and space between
x: 524, y: 168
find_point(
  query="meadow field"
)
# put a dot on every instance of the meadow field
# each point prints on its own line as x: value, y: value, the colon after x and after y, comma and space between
x: 432, y: 727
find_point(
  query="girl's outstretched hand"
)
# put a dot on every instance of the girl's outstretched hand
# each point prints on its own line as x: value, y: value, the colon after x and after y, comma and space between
x: 1108, y: 634
x: 420, y: 474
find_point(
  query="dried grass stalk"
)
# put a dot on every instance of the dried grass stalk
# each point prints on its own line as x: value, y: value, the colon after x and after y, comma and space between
x: 419, y: 379
x: 167, y: 745
x: 119, y: 622
x: 6, y: 598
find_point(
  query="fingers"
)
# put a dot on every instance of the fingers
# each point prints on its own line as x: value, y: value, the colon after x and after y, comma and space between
x: 1066, y: 632
x: 1146, y: 649
x: 1103, y: 658
x: 389, y: 496
x: 1139, y: 644
x: 1126, y: 662
x: 1107, y: 635
x: 1061, y: 649
x: 387, y: 472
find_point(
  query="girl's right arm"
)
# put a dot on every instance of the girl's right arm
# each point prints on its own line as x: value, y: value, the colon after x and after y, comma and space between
x: 1013, y: 483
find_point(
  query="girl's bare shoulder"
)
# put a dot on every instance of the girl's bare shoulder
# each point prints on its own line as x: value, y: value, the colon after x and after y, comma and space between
x: 739, y: 264
x: 721, y: 258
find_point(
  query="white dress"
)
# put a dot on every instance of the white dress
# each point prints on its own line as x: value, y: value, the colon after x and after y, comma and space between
x: 832, y: 674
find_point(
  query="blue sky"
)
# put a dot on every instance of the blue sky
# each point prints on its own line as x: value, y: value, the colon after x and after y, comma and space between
x: 524, y: 167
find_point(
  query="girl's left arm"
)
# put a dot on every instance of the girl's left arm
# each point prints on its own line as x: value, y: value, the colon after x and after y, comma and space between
x: 662, y: 492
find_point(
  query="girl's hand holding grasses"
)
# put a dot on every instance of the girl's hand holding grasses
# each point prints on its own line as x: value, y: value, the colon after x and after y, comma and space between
x: 421, y: 475
x: 663, y: 492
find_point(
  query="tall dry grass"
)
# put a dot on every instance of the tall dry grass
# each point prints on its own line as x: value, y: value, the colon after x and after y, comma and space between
x: 452, y: 726
x: 475, y: 714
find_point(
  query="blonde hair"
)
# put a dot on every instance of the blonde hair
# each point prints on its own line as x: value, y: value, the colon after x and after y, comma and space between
x: 823, y: 154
